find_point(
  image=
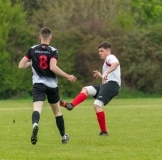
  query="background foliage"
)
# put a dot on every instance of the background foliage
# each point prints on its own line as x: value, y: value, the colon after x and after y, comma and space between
x: 79, y: 26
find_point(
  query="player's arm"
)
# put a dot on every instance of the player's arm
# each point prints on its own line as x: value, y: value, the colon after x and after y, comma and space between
x: 112, y: 68
x: 54, y: 68
x: 97, y: 74
x: 24, y: 63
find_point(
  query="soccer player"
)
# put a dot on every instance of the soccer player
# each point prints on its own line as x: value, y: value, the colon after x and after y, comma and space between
x: 103, y: 93
x: 43, y: 60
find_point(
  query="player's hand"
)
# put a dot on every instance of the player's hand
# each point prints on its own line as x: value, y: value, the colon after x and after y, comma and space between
x: 97, y: 74
x: 105, y: 76
x: 71, y: 78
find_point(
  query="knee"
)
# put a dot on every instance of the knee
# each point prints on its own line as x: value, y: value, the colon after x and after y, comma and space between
x: 84, y: 90
x: 97, y: 108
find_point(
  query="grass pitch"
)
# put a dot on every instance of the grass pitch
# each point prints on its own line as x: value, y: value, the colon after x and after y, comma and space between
x: 134, y: 125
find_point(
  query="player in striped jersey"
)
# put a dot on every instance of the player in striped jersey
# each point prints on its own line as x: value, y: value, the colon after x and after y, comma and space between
x: 43, y: 60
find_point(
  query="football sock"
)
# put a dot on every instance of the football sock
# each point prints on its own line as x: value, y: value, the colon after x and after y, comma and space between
x: 35, y: 117
x: 35, y: 124
x: 101, y: 121
x: 60, y: 124
x: 79, y: 98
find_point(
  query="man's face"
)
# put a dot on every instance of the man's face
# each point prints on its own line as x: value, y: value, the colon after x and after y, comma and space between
x: 103, y: 53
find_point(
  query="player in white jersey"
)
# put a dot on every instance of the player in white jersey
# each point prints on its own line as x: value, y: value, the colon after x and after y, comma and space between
x: 103, y: 93
x: 43, y: 60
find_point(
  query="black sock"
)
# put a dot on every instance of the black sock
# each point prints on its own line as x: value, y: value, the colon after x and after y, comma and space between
x: 60, y: 125
x: 35, y: 117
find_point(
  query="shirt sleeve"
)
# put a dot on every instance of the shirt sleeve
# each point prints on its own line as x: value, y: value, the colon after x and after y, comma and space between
x: 55, y: 54
x: 111, y: 59
x: 28, y: 54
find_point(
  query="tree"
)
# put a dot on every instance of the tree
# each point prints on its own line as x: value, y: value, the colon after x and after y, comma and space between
x: 12, y: 29
x: 141, y: 56
x: 78, y: 26
x: 146, y: 12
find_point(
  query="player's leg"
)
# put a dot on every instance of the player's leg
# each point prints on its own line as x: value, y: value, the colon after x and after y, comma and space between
x: 88, y: 90
x: 98, y: 104
x: 80, y: 97
x: 37, y: 109
x: 35, y: 120
x: 38, y: 99
x: 100, y: 117
x: 60, y: 121
x: 77, y: 100
x: 53, y: 99
x: 106, y: 92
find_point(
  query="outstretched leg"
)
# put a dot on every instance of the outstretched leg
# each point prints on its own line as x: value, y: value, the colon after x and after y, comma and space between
x: 77, y: 100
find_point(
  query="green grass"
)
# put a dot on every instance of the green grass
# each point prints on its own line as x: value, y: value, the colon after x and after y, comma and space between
x: 134, y: 125
x: 126, y: 92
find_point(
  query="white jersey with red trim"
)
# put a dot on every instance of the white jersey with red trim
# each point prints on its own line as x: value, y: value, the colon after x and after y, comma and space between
x: 114, y: 75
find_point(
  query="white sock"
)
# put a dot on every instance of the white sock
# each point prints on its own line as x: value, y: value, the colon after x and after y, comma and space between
x: 35, y: 124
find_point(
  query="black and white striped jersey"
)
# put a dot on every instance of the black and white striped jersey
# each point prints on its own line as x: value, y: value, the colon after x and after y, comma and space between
x: 40, y: 56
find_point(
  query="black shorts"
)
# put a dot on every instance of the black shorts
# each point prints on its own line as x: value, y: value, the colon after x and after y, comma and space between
x: 40, y: 91
x: 106, y: 91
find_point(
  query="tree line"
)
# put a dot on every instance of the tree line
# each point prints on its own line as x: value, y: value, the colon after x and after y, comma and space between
x: 78, y: 27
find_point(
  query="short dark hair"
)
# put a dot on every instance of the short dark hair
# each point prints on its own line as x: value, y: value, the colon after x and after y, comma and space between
x: 105, y: 45
x: 45, y: 32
